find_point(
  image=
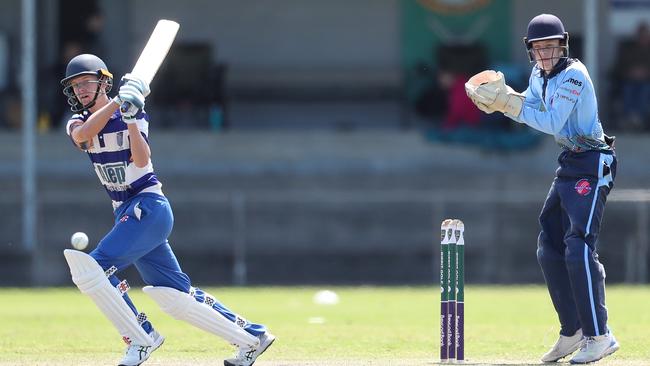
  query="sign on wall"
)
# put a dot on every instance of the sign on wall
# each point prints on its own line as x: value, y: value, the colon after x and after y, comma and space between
x: 427, y: 24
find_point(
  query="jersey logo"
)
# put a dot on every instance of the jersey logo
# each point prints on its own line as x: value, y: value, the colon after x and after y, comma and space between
x: 583, y: 187
x: 567, y: 98
x: 574, y: 82
x: 112, y: 175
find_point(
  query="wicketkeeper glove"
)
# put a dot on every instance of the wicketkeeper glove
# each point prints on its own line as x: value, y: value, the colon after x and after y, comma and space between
x: 489, y: 92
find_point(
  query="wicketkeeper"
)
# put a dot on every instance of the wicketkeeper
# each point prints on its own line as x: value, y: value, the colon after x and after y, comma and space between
x: 561, y: 101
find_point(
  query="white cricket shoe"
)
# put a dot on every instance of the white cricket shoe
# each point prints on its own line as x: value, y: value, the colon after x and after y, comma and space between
x: 137, y: 354
x: 246, y: 356
x: 596, y: 348
x: 564, y: 346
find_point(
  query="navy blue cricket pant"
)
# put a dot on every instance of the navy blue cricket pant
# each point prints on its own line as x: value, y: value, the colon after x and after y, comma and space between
x: 566, y: 249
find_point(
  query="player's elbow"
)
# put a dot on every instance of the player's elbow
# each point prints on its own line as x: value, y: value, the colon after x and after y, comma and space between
x: 140, y: 163
x: 557, y: 124
x: 140, y: 160
x: 77, y: 134
x: 81, y: 142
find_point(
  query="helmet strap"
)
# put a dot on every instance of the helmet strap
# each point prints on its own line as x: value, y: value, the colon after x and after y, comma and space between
x: 93, y: 102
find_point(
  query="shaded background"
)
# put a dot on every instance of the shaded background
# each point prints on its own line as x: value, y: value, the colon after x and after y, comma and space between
x: 305, y: 142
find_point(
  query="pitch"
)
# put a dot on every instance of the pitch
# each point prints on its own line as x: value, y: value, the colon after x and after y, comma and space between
x: 510, y: 325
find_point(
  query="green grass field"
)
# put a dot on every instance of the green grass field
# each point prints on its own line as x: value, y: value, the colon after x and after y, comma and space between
x: 370, y: 326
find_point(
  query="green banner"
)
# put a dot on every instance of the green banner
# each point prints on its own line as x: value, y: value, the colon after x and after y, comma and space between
x: 427, y: 24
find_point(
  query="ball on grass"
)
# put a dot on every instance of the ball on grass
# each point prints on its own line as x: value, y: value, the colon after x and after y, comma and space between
x: 79, y: 240
x: 326, y: 297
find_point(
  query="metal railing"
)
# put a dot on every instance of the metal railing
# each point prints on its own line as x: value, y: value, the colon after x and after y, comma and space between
x: 632, y: 242
x: 636, y: 245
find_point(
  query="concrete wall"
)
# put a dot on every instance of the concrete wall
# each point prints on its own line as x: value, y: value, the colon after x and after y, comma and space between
x: 320, y: 207
x: 256, y: 38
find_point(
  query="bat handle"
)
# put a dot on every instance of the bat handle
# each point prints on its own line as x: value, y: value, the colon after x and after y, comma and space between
x: 125, y: 107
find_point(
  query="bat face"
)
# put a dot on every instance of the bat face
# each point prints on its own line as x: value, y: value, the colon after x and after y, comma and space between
x: 156, y: 49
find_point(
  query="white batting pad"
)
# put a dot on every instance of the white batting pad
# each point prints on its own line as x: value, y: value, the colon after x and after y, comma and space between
x: 182, y: 306
x: 92, y: 281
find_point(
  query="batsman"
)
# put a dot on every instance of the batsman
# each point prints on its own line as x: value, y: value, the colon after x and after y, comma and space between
x: 114, y: 133
x: 560, y: 100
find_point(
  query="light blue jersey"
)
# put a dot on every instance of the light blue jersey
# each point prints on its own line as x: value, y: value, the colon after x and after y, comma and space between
x: 563, y: 104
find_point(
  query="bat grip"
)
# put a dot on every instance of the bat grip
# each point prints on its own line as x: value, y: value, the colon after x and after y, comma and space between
x: 125, y: 107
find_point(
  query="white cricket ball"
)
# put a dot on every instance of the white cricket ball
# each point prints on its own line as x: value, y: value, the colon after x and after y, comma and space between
x: 326, y: 297
x: 79, y: 240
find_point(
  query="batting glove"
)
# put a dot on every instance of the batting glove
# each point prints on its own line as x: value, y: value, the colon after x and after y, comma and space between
x: 132, y: 101
x: 142, y: 85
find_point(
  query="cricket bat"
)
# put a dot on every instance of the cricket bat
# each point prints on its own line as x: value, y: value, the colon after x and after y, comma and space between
x: 155, y: 51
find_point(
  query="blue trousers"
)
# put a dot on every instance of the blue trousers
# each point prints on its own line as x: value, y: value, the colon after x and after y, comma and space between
x: 566, y: 250
x: 139, y: 237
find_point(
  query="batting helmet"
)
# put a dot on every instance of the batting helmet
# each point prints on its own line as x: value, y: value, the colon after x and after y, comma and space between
x: 86, y: 64
x: 543, y: 27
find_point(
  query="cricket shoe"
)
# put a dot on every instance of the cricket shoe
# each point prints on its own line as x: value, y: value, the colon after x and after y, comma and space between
x: 246, y: 356
x: 564, y: 346
x: 137, y: 354
x: 596, y: 348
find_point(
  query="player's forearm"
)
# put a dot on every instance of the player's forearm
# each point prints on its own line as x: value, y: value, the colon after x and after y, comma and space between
x: 551, y: 121
x: 140, y: 152
x: 94, y: 123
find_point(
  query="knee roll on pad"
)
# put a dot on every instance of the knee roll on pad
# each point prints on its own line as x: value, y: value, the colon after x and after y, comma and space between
x: 182, y: 306
x: 90, y: 278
